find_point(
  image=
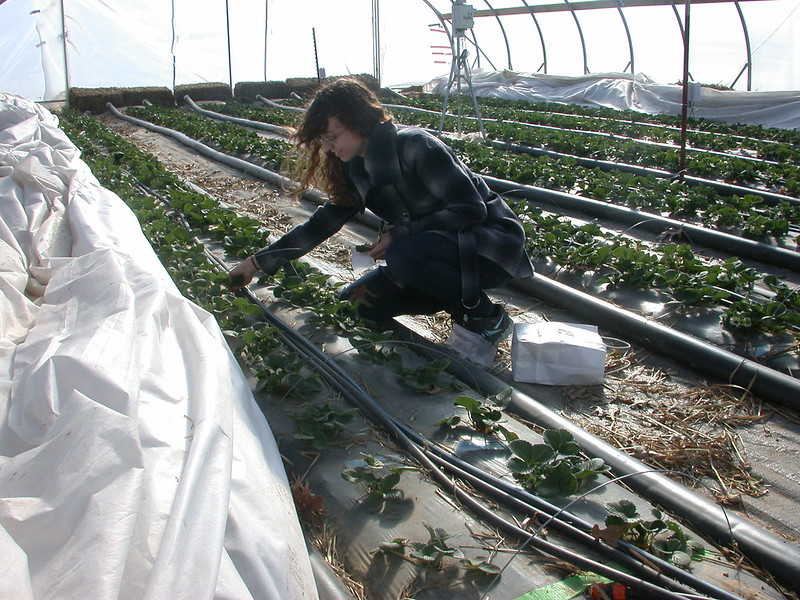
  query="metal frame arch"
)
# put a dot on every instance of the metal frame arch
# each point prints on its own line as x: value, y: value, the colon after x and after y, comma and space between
x: 447, y: 28
x: 684, y: 41
x: 502, y: 30
x: 442, y: 20
x: 541, y: 37
x: 749, y: 64
x: 580, y: 34
x: 628, y: 34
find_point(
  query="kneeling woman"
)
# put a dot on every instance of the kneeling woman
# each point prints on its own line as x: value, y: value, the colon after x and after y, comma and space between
x: 448, y: 236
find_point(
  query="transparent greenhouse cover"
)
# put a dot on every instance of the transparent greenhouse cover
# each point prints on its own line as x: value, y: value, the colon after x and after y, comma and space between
x: 117, y: 43
x: 134, y: 462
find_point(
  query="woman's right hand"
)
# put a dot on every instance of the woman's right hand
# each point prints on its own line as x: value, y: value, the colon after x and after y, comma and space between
x: 378, y: 251
x: 242, y: 274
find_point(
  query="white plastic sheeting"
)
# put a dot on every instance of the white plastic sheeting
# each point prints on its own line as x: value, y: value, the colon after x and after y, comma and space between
x: 50, y: 45
x: 134, y: 462
x: 626, y: 92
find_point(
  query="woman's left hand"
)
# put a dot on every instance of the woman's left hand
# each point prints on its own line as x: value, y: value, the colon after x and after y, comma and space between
x: 378, y: 251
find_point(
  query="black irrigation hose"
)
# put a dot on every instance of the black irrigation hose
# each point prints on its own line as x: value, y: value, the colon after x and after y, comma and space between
x: 727, y: 189
x: 774, y: 554
x: 560, y: 519
x: 272, y: 104
x: 702, y: 356
x: 695, y: 234
x: 422, y: 449
x: 269, y: 127
x: 245, y: 166
x: 350, y: 389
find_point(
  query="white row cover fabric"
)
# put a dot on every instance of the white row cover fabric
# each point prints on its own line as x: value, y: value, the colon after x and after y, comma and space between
x: 623, y: 91
x: 134, y: 462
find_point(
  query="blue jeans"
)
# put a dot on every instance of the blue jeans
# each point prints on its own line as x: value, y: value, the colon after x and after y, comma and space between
x: 422, y: 276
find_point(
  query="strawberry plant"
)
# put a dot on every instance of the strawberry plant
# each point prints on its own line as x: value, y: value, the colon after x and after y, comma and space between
x: 182, y: 254
x: 433, y: 552
x: 379, y: 480
x: 425, y: 378
x: 661, y: 537
x: 486, y: 418
x: 322, y: 424
x: 554, y: 468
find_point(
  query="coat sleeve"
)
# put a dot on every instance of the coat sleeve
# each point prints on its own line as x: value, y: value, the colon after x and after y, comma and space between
x: 323, y: 223
x: 444, y: 177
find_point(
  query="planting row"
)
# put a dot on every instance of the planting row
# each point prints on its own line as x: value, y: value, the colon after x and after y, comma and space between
x: 617, y: 260
x: 748, y: 141
x: 747, y: 215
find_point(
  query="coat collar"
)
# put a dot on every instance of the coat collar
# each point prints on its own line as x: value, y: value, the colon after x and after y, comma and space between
x: 381, y: 165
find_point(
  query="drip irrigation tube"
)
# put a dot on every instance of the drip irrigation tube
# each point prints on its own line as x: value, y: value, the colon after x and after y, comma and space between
x: 732, y: 244
x: 728, y: 189
x: 737, y: 245
x: 351, y: 389
x: 272, y: 104
x: 237, y: 163
x: 723, y: 365
x: 777, y: 556
x: 663, y: 126
x: 280, y: 130
x: 556, y: 517
x: 702, y: 356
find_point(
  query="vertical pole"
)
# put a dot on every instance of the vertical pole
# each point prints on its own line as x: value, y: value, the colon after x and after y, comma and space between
x: 228, y: 27
x: 64, y: 41
x: 685, y: 98
x: 266, y: 33
x: 376, y: 40
x: 316, y: 56
x: 172, y: 50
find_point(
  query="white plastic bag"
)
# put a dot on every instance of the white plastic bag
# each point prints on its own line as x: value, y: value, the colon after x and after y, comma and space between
x: 557, y: 354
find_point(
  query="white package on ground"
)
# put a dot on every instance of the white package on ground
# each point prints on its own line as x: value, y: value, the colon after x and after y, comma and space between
x: 134, y: 462
x: 557, y: 354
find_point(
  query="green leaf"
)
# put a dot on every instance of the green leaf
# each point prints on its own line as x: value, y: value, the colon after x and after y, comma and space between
x: 559, y: 482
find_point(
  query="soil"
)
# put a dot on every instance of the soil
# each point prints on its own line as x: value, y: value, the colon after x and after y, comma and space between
x: 735, y: 449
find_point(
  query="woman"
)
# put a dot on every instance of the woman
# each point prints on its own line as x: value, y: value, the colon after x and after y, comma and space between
x: 447, y: 238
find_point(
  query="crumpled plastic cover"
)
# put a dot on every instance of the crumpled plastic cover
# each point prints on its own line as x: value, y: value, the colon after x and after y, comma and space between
x: 134, y: 462
x: 639, y: 93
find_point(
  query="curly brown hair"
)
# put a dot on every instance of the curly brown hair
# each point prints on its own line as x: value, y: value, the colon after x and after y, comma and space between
x: 359, y: 110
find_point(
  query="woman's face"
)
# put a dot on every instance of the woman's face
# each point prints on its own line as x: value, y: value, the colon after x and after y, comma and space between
x: 342, y: 142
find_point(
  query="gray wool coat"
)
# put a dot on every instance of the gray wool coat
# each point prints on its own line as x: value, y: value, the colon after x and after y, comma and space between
x: 415, y: 183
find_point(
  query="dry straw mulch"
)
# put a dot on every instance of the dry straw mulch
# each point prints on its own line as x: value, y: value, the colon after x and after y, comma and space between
x: 690, y: 431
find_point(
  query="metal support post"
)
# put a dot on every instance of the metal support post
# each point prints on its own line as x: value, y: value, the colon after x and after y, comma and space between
x: 459, y: 67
